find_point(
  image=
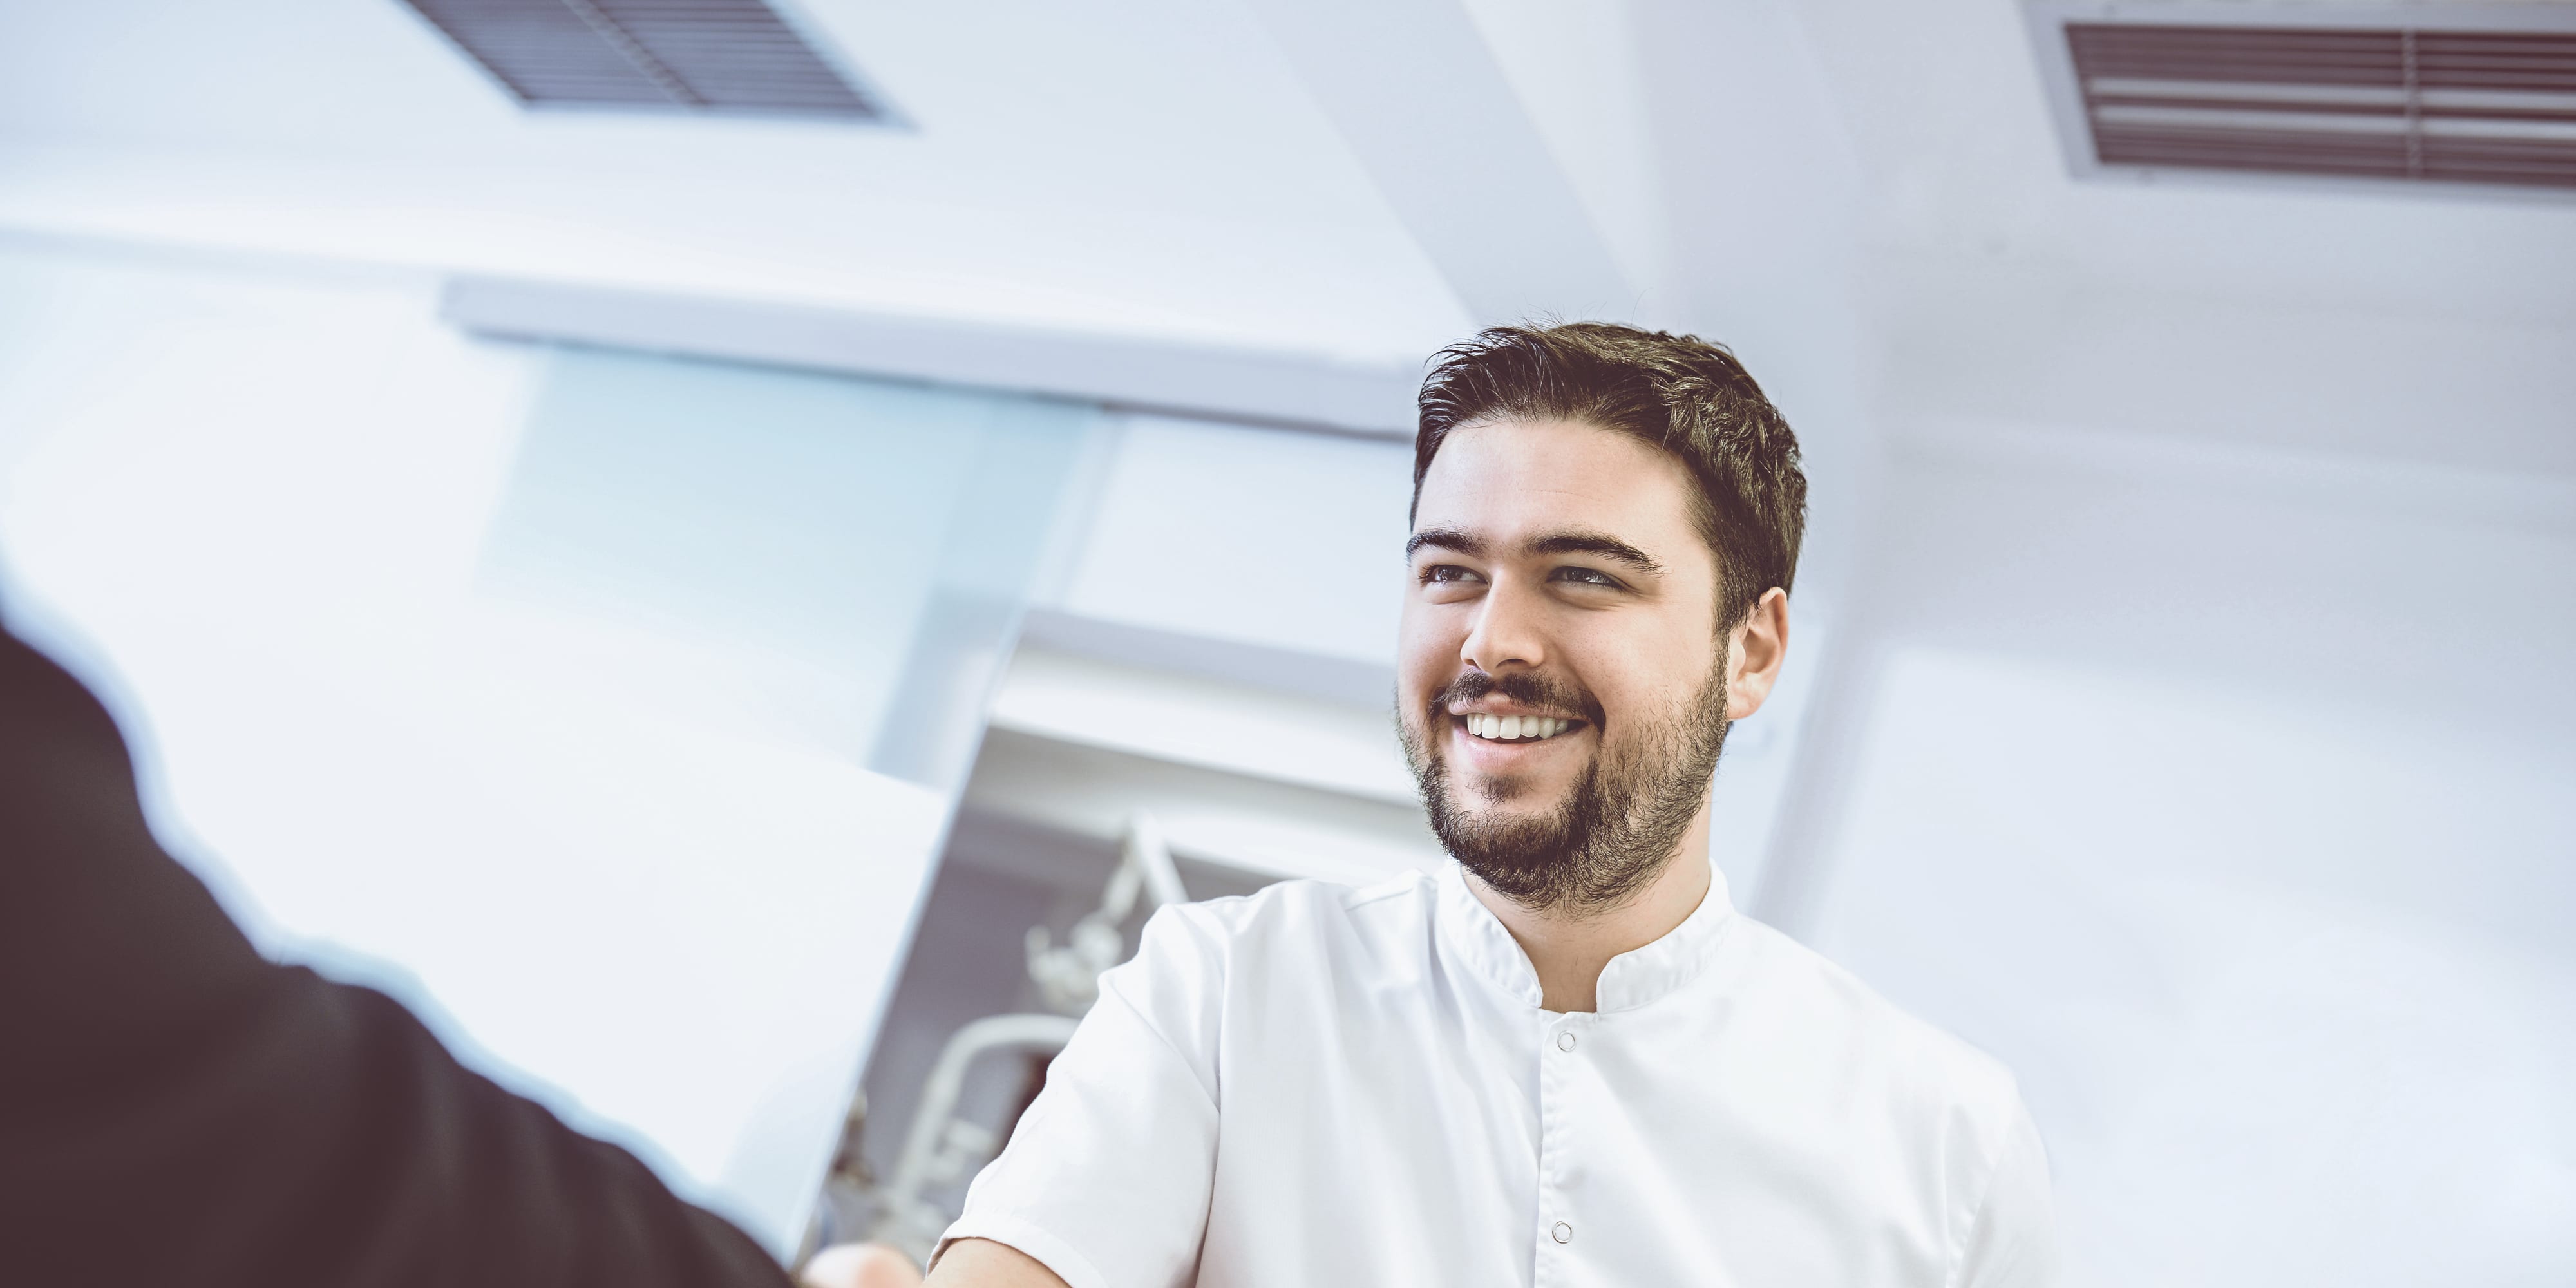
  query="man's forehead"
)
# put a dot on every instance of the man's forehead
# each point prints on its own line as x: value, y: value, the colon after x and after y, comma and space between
x: 1511, y: 485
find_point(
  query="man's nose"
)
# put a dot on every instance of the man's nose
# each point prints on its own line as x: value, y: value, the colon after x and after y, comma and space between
x: 1507, y: 633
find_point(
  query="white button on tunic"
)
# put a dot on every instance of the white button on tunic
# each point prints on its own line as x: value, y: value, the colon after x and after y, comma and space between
x: 1323, y: 1085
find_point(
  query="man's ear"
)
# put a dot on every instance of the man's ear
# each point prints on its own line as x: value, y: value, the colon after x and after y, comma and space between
x: 1755, y: 650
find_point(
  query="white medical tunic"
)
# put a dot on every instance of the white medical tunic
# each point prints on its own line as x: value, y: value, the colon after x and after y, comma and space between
x: 1321, y: 1085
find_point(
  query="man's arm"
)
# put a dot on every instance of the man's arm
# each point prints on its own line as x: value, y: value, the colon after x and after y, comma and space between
x: 982, y: 1263
x: 1107, y: 1179
x: 2014, y: 1241
x: 175, y: 1109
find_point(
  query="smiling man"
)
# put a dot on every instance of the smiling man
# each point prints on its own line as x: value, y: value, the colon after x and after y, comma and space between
x: 1567, y: 1060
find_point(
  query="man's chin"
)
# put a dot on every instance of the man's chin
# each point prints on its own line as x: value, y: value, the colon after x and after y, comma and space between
x: 1513, y: 807
x: 1475, y: 793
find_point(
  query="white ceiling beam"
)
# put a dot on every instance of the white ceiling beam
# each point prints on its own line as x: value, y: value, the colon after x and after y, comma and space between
x: 1188, y: 720
x: 1261, y: 386
x: 1432, y: 116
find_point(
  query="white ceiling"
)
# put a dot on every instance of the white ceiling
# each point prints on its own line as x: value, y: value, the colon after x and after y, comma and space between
x: 1864, y: 194
x: 1149, y: 167
x: 1943, y: 102
x: 1993, y: 288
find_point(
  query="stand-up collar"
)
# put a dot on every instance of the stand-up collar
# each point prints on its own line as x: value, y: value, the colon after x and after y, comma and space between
x: 1631, y: 979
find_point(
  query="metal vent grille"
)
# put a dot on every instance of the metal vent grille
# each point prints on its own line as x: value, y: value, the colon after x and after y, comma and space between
x: 724, y: 56
x: 2404, y: 101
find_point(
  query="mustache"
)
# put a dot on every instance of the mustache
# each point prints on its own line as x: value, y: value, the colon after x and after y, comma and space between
x: 1526, y: 687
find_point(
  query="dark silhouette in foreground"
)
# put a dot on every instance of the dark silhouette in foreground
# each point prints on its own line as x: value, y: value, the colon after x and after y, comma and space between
x: 176, y: 1109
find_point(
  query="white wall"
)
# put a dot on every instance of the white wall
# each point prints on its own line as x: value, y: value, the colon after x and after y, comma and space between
x: 1271, y: 538
x: 2223, y: 795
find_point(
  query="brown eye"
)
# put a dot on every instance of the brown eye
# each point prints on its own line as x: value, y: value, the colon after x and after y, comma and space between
x: 1586, y: 577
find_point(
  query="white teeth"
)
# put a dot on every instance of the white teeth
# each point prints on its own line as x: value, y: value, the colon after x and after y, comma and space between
x: 1512, y: 728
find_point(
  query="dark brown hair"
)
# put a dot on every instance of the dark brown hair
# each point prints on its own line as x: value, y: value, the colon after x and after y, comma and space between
x: 1685, y: 395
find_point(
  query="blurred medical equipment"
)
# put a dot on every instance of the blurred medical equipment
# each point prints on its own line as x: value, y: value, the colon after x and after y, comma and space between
x: 1068, y: 975
x: 947, y: 1144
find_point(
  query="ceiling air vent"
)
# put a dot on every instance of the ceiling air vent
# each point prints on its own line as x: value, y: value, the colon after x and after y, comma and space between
x: 714, y: 56
x: 2444, y: 94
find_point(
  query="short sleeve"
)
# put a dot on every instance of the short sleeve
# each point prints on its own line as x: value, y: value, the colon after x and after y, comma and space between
x: 2014, y: 1241
x: 1106, y: 1179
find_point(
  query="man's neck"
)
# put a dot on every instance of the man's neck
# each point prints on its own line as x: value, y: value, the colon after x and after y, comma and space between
x: 1568, y: 950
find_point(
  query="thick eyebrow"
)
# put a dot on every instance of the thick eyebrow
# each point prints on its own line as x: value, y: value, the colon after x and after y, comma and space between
x: 1596, y: 543
x: 1450, y: 539
x: 1568, y: 542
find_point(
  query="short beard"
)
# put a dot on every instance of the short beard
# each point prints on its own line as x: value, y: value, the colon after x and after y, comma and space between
x: 1618, y: 826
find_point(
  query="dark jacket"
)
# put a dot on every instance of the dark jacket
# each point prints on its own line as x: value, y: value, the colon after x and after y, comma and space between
x: 176, y: 1110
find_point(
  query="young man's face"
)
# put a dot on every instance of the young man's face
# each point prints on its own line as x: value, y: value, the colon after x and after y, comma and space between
x: 1559, y: 585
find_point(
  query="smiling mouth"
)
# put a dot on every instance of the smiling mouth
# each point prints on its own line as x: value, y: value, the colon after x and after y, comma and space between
x: 1496, y: 728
